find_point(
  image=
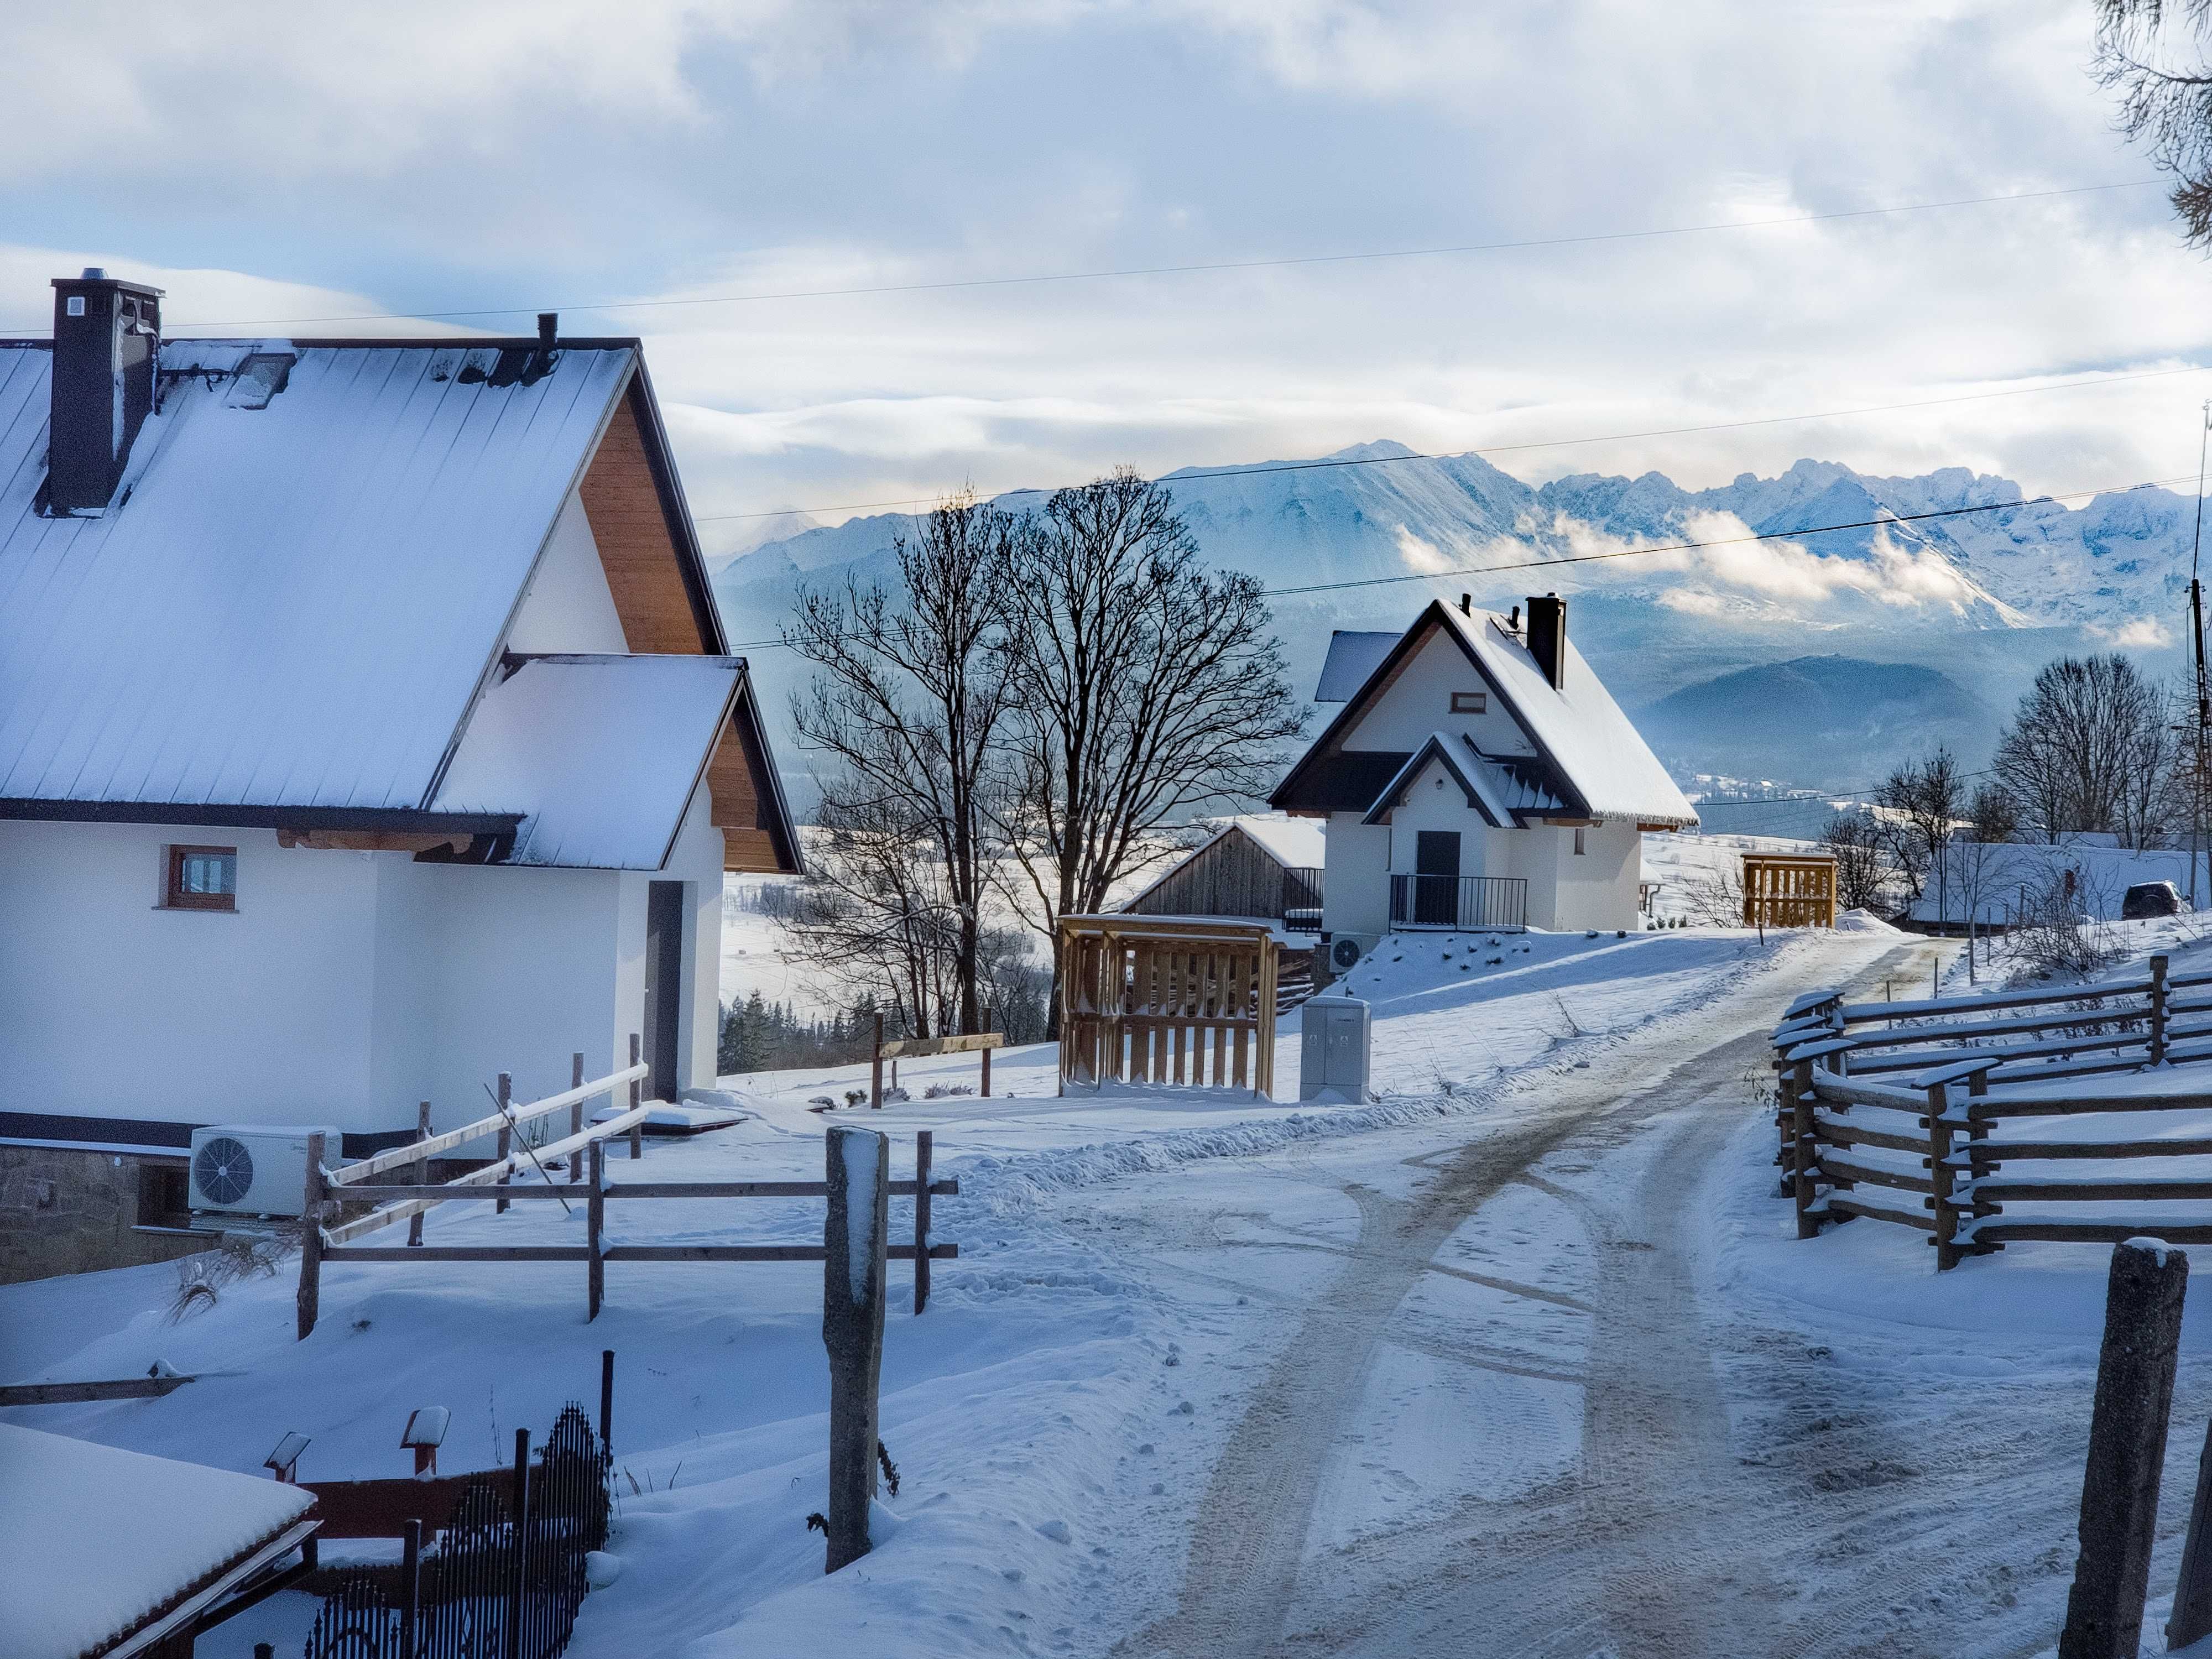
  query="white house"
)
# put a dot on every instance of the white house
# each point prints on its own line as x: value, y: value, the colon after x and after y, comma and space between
x: 367, y: 729
x: 1477, y: 775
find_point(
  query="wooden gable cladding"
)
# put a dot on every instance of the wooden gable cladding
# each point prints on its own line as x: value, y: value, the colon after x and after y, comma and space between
x: 747, y: 844
x: 644, y: 567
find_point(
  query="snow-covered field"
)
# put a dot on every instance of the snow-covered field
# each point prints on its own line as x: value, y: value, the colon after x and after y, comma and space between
x: 1524, y: 1352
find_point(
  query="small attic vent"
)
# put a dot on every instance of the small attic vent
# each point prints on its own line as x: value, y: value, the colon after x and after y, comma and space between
x: 260, y: 378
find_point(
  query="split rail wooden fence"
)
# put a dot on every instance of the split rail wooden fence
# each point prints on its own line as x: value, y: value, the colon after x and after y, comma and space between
x: 1167, y: 1002
x: 1864, y: 1083
x: 323, y: 1238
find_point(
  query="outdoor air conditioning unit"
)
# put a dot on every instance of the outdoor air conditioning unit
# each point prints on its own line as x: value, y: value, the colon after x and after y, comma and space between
x: 1346, y: 949
x: 254, y: 1169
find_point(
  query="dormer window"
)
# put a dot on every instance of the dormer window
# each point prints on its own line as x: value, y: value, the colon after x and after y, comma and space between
x: 1470, y: 702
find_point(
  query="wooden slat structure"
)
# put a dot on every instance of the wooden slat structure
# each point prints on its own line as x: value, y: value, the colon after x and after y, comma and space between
x: 1167, y: 1002
x: 1789, y: 891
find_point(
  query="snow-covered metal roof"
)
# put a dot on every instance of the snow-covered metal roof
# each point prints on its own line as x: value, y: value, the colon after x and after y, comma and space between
x: 301, y: 588
x: 1294, y: 843
x: 94, y: 1540
x: 601, y: 754
x: 1577, y: 726
x: 1352, y: 658
x: 1479, y: 781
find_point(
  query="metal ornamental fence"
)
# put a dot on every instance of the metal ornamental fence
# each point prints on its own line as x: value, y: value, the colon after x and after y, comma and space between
x: 1464, y: 903
x: 504, y: 1580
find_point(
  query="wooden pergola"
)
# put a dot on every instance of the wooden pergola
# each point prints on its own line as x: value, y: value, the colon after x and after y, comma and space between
x: 1166, y: 1002
x: 1782, y: 890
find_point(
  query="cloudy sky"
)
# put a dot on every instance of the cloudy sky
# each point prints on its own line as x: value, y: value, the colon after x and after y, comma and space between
x: 267, y: 163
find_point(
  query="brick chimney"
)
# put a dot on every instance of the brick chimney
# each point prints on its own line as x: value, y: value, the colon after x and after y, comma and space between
x: 106, y: 333
x: 1547, y: 637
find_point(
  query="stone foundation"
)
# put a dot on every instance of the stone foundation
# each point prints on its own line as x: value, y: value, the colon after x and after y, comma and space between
x: 66, y: 1210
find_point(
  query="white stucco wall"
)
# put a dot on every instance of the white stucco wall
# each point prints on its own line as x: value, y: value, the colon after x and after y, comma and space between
x: 1418, y: 703
x: 110, y: 1005
x: 1595, y: 889
x: 567, y: 605
x: 1356, y: 879
x: 346, y: 987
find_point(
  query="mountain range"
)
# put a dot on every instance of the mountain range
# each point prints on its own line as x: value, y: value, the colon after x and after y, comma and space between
x: 1953, y: 571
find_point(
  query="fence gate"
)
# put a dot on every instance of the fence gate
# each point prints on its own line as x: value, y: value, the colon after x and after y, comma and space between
x: 1167, y: 1001
x: 1784, y: 891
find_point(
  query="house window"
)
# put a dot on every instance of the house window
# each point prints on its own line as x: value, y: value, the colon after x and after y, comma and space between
x: 1470, y: 702
x: 201, y: 878
x: 1578, y: 840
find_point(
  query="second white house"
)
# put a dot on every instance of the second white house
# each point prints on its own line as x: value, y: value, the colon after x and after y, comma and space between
x: 1477, y: 775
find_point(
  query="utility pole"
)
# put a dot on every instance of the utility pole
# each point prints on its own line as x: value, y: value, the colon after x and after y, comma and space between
x: 2197, y: 645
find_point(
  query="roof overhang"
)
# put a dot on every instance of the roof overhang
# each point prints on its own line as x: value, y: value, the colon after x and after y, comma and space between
x: 396, y: 820
x: 1465, y: 769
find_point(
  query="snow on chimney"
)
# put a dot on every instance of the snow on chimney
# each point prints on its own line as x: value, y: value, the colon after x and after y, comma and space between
x: 1547, y: 637
x: 107, y: 334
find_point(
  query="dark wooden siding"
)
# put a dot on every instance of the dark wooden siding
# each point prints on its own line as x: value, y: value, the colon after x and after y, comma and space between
x: 1232, y: 876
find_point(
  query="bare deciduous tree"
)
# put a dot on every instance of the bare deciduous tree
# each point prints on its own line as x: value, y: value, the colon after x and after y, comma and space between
x: 911, y: 701
x: 2154, y: 53
x: 1144, y: 686
x: 1916, y: 807
x: 1863, y: 876
x: 2091, y: 749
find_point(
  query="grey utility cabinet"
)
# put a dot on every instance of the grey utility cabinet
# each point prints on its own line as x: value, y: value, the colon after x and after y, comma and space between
x: 1336, y: 1039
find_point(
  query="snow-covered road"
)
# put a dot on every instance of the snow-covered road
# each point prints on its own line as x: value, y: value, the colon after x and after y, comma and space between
x: 1495, y: 1413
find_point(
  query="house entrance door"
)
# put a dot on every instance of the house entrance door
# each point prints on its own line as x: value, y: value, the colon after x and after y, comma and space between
x: 664, y: 984
x: 1436, y: 879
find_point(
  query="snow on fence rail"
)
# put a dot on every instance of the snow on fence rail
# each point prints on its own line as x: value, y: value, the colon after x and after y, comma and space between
x: 1921, y: 1129
x: 323, y: 1238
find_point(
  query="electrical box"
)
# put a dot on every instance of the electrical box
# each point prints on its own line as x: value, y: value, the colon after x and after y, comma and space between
x: 1336, y: 1041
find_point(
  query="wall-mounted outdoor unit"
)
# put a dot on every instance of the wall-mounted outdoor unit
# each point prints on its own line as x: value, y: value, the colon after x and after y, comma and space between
x: 253, y: 1169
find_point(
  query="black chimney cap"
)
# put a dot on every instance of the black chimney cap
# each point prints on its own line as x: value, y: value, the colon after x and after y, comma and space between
x: 549, y: 328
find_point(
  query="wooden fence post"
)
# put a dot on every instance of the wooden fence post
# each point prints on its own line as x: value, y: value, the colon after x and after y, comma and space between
x: 310, y: 1299
x: 505, y: 1135
x: 2127, y: 1445
x: 513, y: 1634
x: 607, y: 1401
x: 922, y: 1150
x: 595, y: 1221
x: 2192, y: 1595
x: 422, y: 1171
x: 859, y: 1171
x: 1939, y: 1178
x: 987, y: 1057
x: 637, y: 1098
x: 576, y: 1081
x: 1801, y: 1113
x: 1785, y: 1120
x: 2157, y: 997
x: 876, y: 1068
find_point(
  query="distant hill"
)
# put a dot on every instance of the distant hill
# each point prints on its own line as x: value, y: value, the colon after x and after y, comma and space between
x: 1835, y: 721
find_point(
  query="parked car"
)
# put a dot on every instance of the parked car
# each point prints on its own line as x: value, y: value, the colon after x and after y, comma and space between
x: 2150, y: 898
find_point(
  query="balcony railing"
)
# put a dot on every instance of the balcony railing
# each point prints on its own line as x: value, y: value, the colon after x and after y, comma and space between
x: 1465, y: 903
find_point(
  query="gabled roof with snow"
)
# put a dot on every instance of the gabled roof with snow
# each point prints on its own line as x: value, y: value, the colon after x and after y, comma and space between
x: 1294, y: 843
x: 601, y: 753
x: 1465, y: 764
x: 1589, y: 760
x: 94, y: 1540
x: 298, y: 592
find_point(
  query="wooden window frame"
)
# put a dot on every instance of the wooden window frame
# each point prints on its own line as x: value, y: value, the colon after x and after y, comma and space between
x: 174, y: 896
x: 1470, y: 702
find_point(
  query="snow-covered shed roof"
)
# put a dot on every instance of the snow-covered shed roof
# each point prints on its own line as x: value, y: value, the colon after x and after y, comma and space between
x: 601, y: 753
x: 96, y: 1542
x: 1590, y: 760
x: 1294, y: 843
x: 1352, y: 658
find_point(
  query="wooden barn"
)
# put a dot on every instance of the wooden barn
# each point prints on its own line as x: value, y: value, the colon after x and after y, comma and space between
x: 1263, y: 867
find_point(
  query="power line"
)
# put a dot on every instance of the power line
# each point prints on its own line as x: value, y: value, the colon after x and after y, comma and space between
x: 1329, y: 462
x: 1462, y: 571
x: 1279, y: 263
